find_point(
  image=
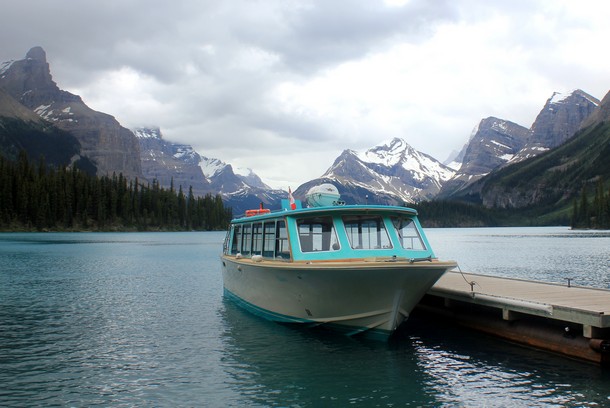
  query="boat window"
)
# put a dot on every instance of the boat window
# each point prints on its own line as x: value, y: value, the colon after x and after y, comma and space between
x: 257, y: 238
x: 269, y: 239
x: 236, y: 243
x: 247, y: 240
x: 281, y: 241
x: 366, y: 232
x: 317, y: 234
x: 408, y: 233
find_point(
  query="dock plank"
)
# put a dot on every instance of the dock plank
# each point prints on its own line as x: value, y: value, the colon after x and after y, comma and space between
x: 589, y: 306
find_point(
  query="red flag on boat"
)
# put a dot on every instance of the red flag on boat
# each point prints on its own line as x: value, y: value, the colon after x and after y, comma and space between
x: 293, y: 205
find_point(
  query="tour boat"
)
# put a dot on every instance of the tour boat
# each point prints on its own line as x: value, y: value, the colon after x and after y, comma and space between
x: 358, y: 269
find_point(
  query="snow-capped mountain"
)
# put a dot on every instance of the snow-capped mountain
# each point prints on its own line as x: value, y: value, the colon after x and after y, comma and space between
x: 181, y: 165
x: 213, y: 169
x: 389, y: 173
x: 169, y: 162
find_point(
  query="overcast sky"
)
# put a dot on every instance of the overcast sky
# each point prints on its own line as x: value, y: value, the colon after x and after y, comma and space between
x: 283, y: 87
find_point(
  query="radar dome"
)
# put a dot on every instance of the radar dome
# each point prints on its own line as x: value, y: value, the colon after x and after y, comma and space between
x: 323, y: 195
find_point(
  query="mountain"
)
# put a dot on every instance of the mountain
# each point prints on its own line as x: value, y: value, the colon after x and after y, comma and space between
x: 455, y: 159
x: 492, y: 143
x: 552, y: 180
x: 599, y: 115
x: 241, y: 189
x: 496, y: 143
x: 111, y: 147
x: 389, y: 173
x: 169, y: 162
x: 180, y: 164
x: 21, y: 129
x: 11, y: 108
x: 559, y: 119
x: 225, y: 179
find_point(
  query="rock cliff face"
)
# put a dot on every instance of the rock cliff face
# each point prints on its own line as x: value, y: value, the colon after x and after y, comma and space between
x: 110, y: 146
x: 600, y: 114
x: 493, y: 143
x: 170, y: 162
x: 561, y: 116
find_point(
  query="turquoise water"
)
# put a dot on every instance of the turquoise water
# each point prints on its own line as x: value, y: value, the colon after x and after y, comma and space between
x: 548, y: 254
x: 138, y: 319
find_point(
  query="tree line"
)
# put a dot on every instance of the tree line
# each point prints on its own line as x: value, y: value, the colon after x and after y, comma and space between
x: 595, y: 214
x: 34, y: 196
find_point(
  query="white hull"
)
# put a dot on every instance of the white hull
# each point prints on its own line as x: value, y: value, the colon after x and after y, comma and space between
x: 372, y: 297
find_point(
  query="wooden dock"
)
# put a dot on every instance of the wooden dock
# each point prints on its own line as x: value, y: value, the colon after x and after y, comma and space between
x: 569, y: 320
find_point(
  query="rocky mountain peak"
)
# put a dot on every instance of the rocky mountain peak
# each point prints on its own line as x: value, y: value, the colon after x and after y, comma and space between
x: 111, y: 147
x: 387, y: 153
x: 493, y: 143
x: 391, y: 172
x: 37, y: 53
x: 29, y: 80
x: 561, y: 117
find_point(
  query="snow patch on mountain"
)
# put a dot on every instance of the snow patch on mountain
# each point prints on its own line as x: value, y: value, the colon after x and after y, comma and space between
x: 5, y: 67
x: 147, y: 133
x: 211, y: 166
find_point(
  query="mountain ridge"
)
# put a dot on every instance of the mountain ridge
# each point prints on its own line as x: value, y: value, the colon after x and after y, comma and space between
x: 554, y: 178
x: 391, y: 172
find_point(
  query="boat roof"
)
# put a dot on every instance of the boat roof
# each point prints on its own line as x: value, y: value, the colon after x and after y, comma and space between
x: 347, y: 209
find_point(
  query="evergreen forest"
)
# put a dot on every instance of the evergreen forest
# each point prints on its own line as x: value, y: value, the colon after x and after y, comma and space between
x: 587, y: 213
x: 37, y: 197
x: 590, y: 211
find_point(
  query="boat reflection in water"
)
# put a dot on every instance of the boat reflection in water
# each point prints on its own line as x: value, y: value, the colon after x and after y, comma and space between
x: 359, y: 269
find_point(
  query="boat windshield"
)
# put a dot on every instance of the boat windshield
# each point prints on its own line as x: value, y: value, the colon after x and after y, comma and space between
x: 408, y: 233
x: 366, y: 232
x: 317, y: 234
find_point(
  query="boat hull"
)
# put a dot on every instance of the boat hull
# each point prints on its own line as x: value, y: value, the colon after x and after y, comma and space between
x: 366, y: 297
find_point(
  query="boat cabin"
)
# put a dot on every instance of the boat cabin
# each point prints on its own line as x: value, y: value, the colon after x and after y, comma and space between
x: 329, y: 233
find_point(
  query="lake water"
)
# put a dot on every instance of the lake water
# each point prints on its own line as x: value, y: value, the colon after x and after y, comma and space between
x: 138, y: 319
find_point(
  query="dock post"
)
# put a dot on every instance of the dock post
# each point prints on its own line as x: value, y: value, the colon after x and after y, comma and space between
x: 509, y: 315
